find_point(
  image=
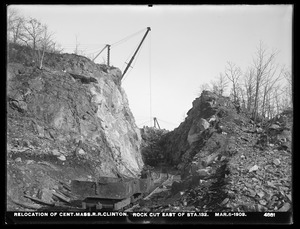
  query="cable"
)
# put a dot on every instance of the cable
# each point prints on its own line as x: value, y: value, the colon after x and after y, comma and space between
x: 150, y: 89
x: 126, y: 38
x: 143, y: 123
x: 134, y: 61
x: 166, y: 122
x: 142, y: 120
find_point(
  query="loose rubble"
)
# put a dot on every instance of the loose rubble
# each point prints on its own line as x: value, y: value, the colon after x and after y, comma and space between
x: 235, y: 171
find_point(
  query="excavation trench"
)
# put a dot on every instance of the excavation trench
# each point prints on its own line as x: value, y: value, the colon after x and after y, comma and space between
x: 204, y: 195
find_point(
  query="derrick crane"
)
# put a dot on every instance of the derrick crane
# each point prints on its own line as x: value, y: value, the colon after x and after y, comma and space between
x: 132, y: 58
x: 108, y: 53
x: 156, y: 122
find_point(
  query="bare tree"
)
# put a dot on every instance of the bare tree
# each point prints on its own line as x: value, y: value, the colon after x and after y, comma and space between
x: 276, y: 96
x: 233, y: 73
x: 242, y: 93
x: 203, y: 87
x: 76, y: 51
x: 270, y: 80
x: 219, y: 85
x: 46, y: 42
x: 15, y: 25
x: 33, y: 32
x: 262, y: 66
x: 289, y: 87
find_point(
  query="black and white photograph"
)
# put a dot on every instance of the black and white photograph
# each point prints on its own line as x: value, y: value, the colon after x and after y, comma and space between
x: 149, y: 114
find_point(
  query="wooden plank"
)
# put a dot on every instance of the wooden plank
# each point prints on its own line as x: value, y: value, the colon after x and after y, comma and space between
x: 38, y: 200
x: 130, y: 209
x: 27, y: 205
x: 60, y: 196
x: 68, y: 194
x: 156, y: 190
x: 66, y: 186
x: 122, y: 204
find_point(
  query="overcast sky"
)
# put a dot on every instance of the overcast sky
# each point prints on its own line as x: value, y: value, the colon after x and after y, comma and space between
x: 187, y: 46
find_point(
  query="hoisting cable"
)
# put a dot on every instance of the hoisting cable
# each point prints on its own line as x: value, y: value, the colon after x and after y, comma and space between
x: 150, y: 67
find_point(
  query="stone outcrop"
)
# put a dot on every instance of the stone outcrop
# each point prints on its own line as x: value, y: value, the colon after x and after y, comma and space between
x: 204, y: 135
x: 72, y: 115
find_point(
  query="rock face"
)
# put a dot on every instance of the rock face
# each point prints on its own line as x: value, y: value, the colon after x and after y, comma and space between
x: 196, y: 130
x: 203, y: 134
x: 222, y: 166
x: 72, y: 113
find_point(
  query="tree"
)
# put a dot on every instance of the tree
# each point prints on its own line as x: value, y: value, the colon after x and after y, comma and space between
x: 289, y: 88
x: 242, y: 93
x: 270, y: 80
x: 33, y: 32
x: 262, y: 66
x: 46, y: 44
x: 76, y: 51
x: 15, y: 25
x: 219, y: 85
x: 203, y: 87
x: 233, y: 73
x: 249, y: 85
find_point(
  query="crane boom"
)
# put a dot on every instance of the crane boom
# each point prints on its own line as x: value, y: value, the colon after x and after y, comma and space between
x: 132, y: 58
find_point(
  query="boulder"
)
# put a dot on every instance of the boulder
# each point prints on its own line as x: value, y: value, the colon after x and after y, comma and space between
x: 274, y: 127
x: 55, y: 152
x: 253, y: 168
x: 81, y: 152
x: 203, y: 173
x: 18, y: 159
x: 196, y: 130
x: 62, y: 158
x: 45, y: 195
x: 276, y: 161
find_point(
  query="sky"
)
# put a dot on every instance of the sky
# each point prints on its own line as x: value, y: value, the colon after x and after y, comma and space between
x: 188, y: 45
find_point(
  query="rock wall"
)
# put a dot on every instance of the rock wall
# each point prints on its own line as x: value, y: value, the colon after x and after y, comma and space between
x: 205, y: 133
x: 73, y: 114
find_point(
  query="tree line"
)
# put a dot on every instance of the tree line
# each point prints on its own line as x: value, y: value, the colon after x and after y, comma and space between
x: 36, y: 35
x: 32, y: 33
x: 263, y: 90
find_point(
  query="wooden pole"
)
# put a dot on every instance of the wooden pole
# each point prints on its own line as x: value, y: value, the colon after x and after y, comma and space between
x: 100, y: 52
x: 108, y: 55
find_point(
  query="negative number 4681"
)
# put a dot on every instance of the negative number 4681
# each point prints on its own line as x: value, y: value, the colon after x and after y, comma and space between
x: 269, y: 214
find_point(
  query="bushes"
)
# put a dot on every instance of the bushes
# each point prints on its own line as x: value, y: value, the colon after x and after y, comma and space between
x: 152, y: 145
